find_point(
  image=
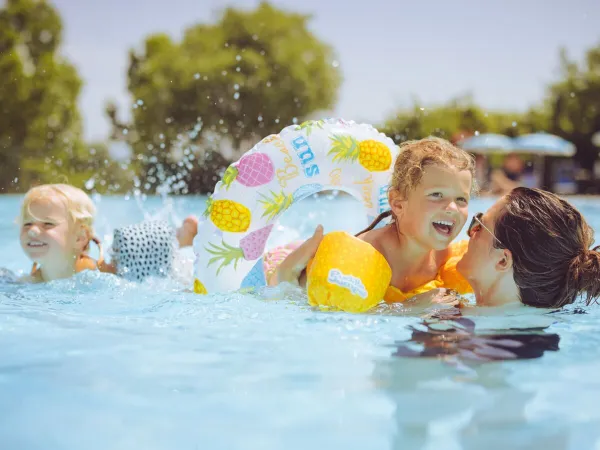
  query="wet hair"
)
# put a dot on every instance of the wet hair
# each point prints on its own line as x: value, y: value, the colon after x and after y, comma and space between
x: 79, y: 205
x: 550, y: 244
x: 415, y: 156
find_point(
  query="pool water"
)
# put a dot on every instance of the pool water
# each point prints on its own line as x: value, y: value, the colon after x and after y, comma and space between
x: 96, y: 362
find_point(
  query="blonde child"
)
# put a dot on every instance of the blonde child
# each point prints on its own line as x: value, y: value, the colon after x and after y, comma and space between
x: 57, y: 228
x: 429, y: 196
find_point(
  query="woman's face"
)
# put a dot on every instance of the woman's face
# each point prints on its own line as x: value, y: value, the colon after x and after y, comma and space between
x: 482, y: 264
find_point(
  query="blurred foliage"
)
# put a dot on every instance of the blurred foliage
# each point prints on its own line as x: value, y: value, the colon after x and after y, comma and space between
x: 573, y: 104
x: 40, y: 127
x: 229, y: 83
x: 199, y: 102
x: 458, y: 119
x: 571, y: 109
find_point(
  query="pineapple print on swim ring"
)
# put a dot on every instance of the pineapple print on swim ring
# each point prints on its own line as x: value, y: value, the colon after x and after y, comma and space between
x: 279, y: 171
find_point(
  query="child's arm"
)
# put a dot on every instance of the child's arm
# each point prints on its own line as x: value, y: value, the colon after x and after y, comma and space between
x: 293, y: 268
x: 105, y: 267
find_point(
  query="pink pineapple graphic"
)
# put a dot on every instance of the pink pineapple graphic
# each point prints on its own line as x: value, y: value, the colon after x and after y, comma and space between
x: 254, y: 169
x: 251, y: 247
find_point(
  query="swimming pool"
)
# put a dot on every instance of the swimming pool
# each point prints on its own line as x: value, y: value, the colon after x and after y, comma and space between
x: 96, y: 362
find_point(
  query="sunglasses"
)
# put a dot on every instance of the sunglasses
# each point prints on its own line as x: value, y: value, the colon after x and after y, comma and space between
x: 476, y: 225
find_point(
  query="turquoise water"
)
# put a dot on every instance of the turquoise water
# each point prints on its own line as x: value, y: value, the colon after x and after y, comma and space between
x: 96, y: 362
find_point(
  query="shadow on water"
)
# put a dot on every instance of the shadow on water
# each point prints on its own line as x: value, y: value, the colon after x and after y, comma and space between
x: 457, y: 385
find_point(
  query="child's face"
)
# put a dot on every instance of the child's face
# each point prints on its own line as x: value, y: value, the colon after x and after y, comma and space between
x: 434, y: 211
x: 47, y: 234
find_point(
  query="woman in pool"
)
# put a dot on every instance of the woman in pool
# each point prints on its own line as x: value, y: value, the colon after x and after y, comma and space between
x: 533, y: 246
x: 530, y: 246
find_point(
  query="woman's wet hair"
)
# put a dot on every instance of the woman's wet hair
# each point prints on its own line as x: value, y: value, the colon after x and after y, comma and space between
x: 415, y: 156
x: 550, y: 242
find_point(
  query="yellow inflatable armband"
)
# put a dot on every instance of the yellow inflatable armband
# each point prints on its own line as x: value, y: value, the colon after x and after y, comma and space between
x: 347, y: 273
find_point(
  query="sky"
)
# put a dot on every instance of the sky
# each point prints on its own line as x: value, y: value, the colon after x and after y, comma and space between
x: 502, y: 52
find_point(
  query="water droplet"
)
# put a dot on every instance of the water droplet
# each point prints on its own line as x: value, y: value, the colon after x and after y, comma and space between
x: 422, y: 109
x: 255, y: 37
x: 572, y: 94
x: 161, y: 136
x: 125, y: 131
x: 259, y: 118
x: 236, y: 86
x: 140, y: 102
x: 268, y: 84
x: 334, y: 63
x: 514, y: 124
x: 162, y: 145
x: 89, y: 184
x: 224, y: 73
x: 197, y: 76
x: 236, y: 95
x: 295, y: 120
x: 277, y: 120
x: 238, y: 58
x: 477, y: 133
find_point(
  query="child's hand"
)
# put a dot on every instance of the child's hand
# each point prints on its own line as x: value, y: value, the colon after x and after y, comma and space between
x: 446, y: 297
x: 291, y: 267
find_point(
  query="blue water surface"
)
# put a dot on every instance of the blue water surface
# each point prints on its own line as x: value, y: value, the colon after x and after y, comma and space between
x: 97, y: 362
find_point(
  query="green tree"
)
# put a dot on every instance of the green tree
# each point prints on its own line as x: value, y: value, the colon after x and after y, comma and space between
x: 40, y: 130
x: 574, y: 104
x: 246, y: 76
x: 460, y: 118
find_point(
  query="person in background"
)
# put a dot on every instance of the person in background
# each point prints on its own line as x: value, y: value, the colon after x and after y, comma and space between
x: 509, y: 176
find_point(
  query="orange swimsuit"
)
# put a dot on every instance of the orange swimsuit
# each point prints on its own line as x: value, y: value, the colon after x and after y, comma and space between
x: 447, y: 277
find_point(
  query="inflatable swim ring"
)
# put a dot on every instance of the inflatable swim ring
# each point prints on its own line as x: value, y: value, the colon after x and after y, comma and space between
x: 277, y: 172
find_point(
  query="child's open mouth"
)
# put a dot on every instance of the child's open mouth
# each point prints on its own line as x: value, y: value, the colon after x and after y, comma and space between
x: 36, y: 244
x: 444, y: 227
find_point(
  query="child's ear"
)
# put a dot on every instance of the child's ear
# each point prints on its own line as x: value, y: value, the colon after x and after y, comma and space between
x: 83, y: 238
x: 396, y: 201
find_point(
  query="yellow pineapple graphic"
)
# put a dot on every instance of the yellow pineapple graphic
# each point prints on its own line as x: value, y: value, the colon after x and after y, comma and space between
x: 372, y: 155
x: 199, y: 287
x: 228, y: 215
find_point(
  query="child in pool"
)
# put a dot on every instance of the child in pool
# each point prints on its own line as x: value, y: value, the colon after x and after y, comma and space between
x: 429, y: 197
x: 56, y: 229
